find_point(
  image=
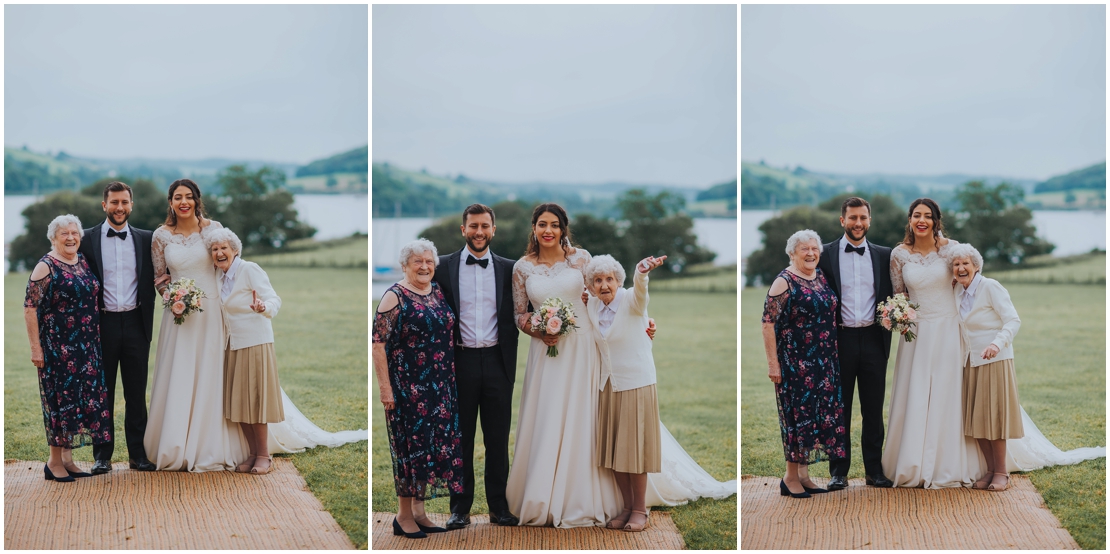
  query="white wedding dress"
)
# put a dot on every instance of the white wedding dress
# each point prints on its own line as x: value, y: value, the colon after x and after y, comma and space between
x: 555, y: 478
x: 925, y: 444
x: 186, y: 428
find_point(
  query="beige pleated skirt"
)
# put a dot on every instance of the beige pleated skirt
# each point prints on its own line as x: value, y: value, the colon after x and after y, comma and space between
x: 628, y: 430
x: 991, y: 408
x: 252, y: 393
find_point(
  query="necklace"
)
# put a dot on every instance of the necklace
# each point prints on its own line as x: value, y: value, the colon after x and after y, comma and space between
x: 69, y: 261
x: 412, y: 286
x: 808, y: 277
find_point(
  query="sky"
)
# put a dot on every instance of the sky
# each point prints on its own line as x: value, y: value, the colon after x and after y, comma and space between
x: 1013, y: 91
x: 570, y: 93
x: 271, y: 83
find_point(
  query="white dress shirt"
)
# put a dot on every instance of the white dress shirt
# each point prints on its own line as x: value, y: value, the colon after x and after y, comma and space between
x: 607, y: 312
x: 857, y: 286
x: 477, y: 302
x: 967, y: 297
x: 121, y: 279
x: 227, y: 281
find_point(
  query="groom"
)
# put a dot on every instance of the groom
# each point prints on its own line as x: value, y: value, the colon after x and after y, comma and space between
x: 119, y: 256
x: 478, y: 285
x: 859, y: 274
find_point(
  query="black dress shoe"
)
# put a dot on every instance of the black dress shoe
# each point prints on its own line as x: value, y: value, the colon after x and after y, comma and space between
x: 838, y: 482
x: 142, y: 464
x: 101, y: 466
x: 397, y: 530
x: 503, y: 517
x: 879, y: 480
x: 457, y: 521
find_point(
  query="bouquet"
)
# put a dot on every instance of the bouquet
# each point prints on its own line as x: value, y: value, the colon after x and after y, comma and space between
x: 899, y: 314
x: 555, y: 317
x: 182, y: 297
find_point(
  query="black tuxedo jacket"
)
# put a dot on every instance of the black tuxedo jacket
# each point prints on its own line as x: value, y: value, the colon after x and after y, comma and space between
x: 880, y: 263
x: 90, y: 247
x: 447, y: 275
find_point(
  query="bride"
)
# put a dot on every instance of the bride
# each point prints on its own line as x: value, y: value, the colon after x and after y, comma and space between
x: 925, y: 445
x: 555, y: 478
x: 186, y: 428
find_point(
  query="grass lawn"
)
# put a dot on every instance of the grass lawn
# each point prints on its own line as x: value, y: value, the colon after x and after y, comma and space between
x: 695, y: 357
x: 321, y: 343
x: 346, y: 253
x: 1081, y: 269
x: 1060, y: 357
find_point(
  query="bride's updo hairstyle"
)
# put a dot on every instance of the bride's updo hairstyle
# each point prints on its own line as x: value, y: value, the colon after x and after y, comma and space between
x: 564, y: 225
x: 198, y: 210
x: 938, y: 226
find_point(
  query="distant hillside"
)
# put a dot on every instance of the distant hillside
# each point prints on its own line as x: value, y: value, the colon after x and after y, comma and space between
x: 1088, y: 178
x: 353, y: 161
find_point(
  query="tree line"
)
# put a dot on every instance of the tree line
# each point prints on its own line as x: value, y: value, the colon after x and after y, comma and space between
x: 253, y: 204
x: 992, y: 219
x: 648, y: 225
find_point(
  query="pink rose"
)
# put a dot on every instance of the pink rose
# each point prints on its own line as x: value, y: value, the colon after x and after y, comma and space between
x: 911, y: 313
x: 886, y: 311
x: 536, y: 320
x: 166, y: 295
x: 179, y: 294
x: 551, y: 311
x: 886, y: 323
x: 178, y: 308
x: 554, y: 325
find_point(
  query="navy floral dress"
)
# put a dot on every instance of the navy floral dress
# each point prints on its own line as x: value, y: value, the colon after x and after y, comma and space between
x: 424, y: 437
x: 811, y: 414
x: 71, y: 381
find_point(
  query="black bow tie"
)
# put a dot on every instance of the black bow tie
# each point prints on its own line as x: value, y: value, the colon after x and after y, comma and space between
x: 860, y: 250
x: 471, y: 260
x: 114, y: 233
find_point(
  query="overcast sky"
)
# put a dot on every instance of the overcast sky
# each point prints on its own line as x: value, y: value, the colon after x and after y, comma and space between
x: 1014, y: 91
x: 273, y: 83
x: 567, y: 93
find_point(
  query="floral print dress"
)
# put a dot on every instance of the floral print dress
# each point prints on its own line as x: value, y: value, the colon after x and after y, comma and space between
x: 71, y: 381
x: 424, y: 437
x: 811, y: 414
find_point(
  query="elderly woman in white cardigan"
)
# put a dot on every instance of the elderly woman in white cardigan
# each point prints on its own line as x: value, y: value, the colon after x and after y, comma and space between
x: 628, y: 440
x: 988, y: 323
x: 252, y: 394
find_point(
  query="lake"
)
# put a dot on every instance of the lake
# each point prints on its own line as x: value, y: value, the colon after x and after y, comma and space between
x: 1073, y: 232
x: 333, y: 215
x: 390, y: 234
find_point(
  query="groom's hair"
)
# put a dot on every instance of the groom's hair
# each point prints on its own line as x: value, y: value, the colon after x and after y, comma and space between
x: 854, y: 202
x: 117, y: 186
x: 479, y: 209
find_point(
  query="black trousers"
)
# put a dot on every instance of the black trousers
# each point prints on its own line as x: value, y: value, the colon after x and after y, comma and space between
x: 863, y: 362
x: 484, y: 388
x: 124, y: 345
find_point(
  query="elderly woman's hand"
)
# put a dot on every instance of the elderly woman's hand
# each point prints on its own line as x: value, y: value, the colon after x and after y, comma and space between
x: 37, y: 357
x: 774, y: 373
x: 585, y: 296
x: 386, y: 396
x: 989, y: 352
x: 257, y: 305
x: 649, y: 263
x: 651, y: 328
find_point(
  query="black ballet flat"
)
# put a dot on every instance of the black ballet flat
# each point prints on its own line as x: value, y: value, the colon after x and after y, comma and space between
x: 50, y: 476
x: 784, y: 491
x: 398, y: 531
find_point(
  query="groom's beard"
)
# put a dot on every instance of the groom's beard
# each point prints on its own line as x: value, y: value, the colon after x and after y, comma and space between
x: 474, y: 248
x: 112, y: 218
x: 852, y: 233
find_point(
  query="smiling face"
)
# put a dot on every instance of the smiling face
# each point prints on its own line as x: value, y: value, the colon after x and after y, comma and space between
x: 963, y: 270
x: 604, y: 286
x: 183, y: 203
x: 478, y: 231
x: 805, y: 256
x: 921, y: 221
x: 856, y: 221
x: 222, y: 255
x: 548, y: 230
x: 118, y: 207
x: 67, y: 240
x: 420, y: 269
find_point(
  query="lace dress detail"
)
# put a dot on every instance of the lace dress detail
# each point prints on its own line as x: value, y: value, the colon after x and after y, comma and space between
x: 163, y: 236
x: 560, y: 273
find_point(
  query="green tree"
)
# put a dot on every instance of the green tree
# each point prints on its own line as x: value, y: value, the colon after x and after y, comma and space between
x: 258, y: 208
x: 994, y: 221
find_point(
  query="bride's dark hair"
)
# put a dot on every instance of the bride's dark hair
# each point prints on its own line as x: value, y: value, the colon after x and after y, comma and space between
x: 938, y: 226
x: 558, y: 211
x: 198, y: 210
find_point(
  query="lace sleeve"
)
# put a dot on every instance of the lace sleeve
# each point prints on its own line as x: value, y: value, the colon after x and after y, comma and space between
x: 897, y: 260
x: 775, y: 308
x: 38, y: 292
x: 385, y: 323
x: 520, y: 294
x: 158, y: 251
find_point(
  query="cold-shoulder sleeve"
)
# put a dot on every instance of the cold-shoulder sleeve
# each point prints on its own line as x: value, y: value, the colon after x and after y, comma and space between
x: 898, y: 256
x: 385, y: 323
x: 520, y: 294
x: 158, y: 251
x: 38, y: 292
x: 775, y: 309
